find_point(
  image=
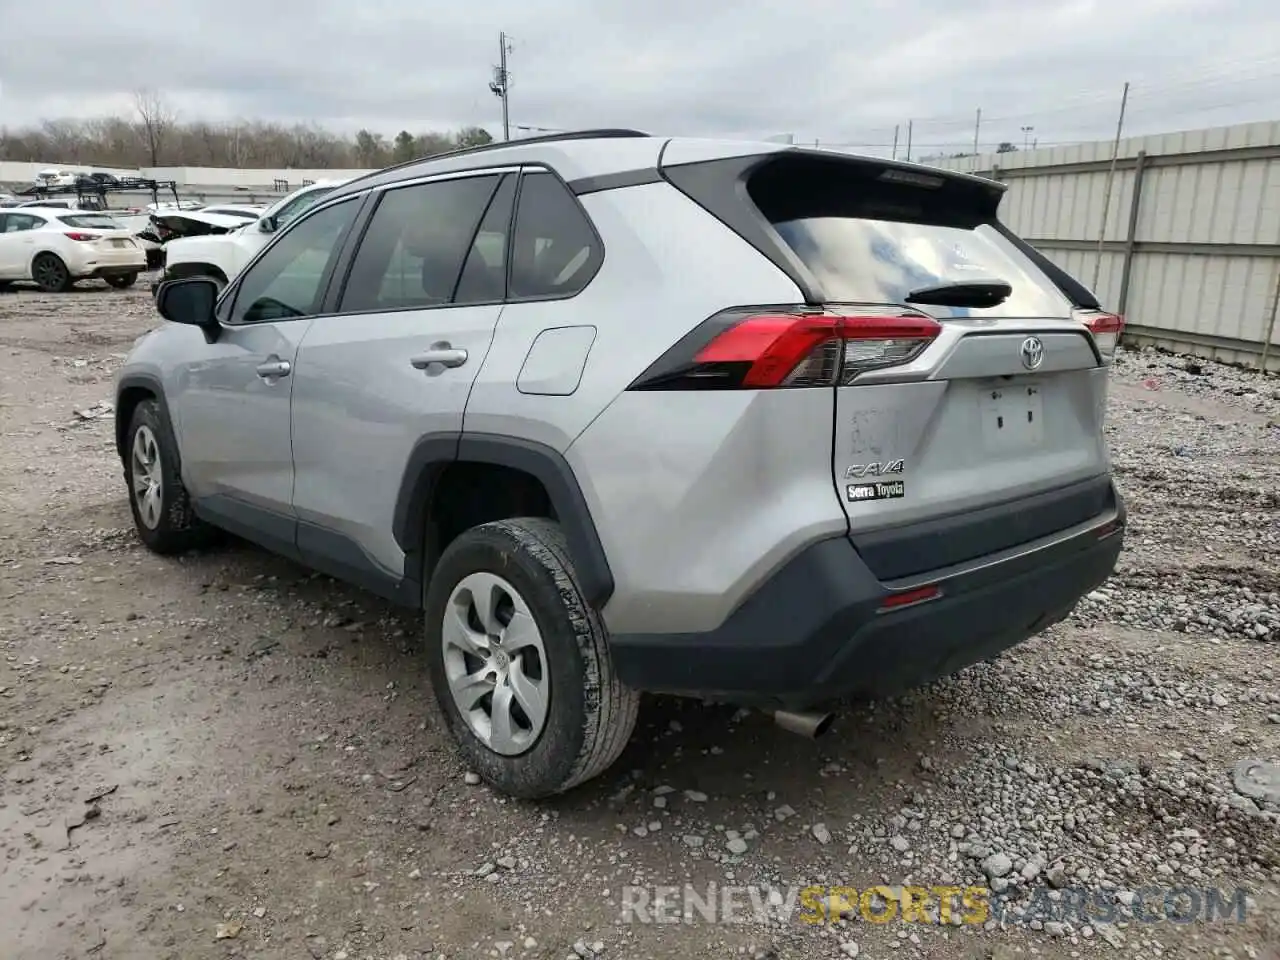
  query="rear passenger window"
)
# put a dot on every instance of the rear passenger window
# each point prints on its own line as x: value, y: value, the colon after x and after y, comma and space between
x: 413, y: 251
x: 17, y: 222
x: 555, y: 252
x: 484, y: 276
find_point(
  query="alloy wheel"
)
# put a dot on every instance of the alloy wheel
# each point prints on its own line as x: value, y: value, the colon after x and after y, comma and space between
x: 148, y: 479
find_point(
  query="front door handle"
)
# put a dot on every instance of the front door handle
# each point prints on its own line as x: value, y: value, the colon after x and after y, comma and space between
x: 273, y: 369
x: 442, y: 353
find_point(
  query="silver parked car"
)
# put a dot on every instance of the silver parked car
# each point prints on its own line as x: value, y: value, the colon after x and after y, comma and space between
x: 760, y: 424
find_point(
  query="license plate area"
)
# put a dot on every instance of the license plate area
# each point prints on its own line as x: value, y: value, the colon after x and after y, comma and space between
x: 119, y: 243
x: 1012, y: 416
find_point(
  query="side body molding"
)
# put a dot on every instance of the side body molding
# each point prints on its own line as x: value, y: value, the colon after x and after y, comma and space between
x: 434, y: 452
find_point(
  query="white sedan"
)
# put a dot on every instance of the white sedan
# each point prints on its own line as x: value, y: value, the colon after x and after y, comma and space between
x: 55, y: 247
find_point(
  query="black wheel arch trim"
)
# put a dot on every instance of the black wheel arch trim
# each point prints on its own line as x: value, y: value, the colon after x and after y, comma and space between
x: 434, y: 452
x: 151, y: 384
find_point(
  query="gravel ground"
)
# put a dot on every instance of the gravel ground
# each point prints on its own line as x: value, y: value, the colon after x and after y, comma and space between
x: 228, y: 756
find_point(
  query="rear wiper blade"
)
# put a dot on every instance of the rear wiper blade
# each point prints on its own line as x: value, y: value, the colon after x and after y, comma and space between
x: 963, y: 293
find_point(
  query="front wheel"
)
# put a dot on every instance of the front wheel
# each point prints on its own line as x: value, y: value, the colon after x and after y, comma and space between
x: 50, y: 273
x: 520, y: 662
x: 161, y: 508
x: 121, y: 281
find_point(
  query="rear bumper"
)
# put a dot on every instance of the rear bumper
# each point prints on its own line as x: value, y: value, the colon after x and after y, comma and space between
x: 114, y: 270
x: 816, y: 631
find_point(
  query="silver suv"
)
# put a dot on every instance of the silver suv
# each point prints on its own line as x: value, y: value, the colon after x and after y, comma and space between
x: 741, y: 421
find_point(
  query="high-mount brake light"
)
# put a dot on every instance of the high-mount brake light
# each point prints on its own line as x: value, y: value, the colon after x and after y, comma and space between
x: 778, y: 348
x: 1106, y: 329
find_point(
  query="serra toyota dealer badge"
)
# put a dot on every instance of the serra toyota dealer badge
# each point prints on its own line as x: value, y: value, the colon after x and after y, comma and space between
x: 886, y: 490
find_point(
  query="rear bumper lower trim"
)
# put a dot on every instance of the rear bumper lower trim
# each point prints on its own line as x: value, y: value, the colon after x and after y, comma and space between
x: 816, y: 630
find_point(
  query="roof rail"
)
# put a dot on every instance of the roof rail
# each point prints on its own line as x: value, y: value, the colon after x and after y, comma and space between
x: 605, y: 133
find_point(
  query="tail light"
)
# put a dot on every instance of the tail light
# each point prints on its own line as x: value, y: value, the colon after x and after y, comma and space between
x: 83, y: 237
x: 1106, y: 328
x: 770, y: 348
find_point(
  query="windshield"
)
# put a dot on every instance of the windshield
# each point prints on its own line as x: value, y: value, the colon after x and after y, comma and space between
x: 872, y: 233
x: 300, y: 204
x: 91, y: 221
x: 882, y: 261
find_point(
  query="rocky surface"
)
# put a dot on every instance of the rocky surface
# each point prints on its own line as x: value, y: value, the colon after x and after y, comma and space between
x: 225, y: 755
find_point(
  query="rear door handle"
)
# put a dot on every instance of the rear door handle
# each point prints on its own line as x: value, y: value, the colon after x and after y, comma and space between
x: 441, y: 353
x: 273, y: 369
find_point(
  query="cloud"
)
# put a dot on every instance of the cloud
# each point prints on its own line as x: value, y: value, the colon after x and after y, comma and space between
x: 830, y: 70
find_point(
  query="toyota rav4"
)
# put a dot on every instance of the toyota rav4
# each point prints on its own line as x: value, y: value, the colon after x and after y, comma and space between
x: 752, y: 423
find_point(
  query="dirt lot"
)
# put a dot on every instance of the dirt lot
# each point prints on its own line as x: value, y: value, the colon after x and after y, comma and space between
x: 227, y: 756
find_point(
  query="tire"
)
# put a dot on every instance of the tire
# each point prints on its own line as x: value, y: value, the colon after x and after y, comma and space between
x: 165, y: 522
x: 589, y: 715
x: 6, y: 286
x: 121, y: 281
x: 50, y: 273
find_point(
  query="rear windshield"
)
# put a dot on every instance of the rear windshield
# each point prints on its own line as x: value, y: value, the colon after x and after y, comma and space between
x: 872, y: 241
x: 90, y: 221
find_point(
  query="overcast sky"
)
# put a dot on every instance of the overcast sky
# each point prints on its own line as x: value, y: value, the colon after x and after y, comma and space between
x: 840, y: 71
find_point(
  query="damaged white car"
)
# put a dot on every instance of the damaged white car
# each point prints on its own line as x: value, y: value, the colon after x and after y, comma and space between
x: 233, y: 241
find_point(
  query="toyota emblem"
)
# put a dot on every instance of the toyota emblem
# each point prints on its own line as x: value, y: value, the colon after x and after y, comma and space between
x: 1032, y: 352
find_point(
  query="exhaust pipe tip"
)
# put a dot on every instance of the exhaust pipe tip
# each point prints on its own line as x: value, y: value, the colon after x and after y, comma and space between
x: 811, y: 726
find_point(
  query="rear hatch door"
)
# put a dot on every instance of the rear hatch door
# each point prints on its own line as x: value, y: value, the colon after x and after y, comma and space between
x: 987, y: 435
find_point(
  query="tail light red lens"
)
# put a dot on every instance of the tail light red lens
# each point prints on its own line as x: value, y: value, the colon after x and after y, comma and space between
x: 83, y: 237
x: 771, y: 349
x: 1106, y: 329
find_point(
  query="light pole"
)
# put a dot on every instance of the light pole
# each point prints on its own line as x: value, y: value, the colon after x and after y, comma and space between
x: 1026, y: 136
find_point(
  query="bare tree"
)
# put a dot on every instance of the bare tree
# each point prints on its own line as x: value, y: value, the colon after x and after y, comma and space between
x: 156, y: 118
x: 129, y: 142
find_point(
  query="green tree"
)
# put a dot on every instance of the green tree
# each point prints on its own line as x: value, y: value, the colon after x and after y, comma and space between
x: 473, y: 137
x: 406, y: 147
x: 371, y: 151
x: 429, y: 144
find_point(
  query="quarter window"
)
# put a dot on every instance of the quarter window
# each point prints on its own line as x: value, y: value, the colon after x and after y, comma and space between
x: 413, y: 252
x: 556, y: 252
x: 287, y: 281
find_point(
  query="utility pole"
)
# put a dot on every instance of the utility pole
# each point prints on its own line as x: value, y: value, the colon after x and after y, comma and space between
x: 1106, y: 197
x: 894, y: 156
x: 501, y: 83
x: 909, y: 123
x: 977, y: 125
x: 1026, y: 136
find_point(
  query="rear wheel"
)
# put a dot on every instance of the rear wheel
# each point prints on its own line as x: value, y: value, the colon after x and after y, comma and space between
x: 50, y: 273
x: 121, y: 281
x: 6, y: 285
x: 520, y: 662
x: 161, y: 508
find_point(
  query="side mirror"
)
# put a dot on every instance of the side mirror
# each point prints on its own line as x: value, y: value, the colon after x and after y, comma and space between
x: 267, y: 224
x: 190, y: 300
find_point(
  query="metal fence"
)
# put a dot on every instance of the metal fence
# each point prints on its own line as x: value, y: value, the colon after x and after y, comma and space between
x: 1183, y: 238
